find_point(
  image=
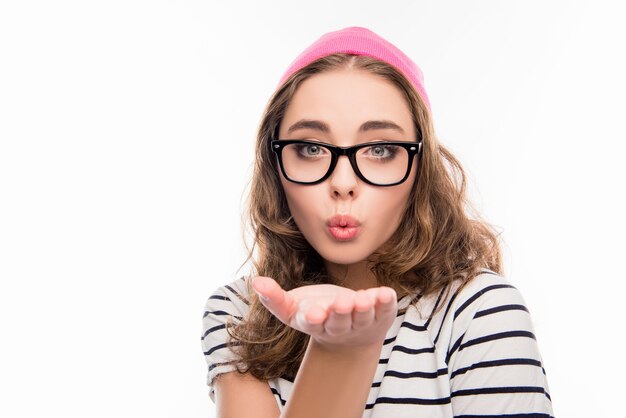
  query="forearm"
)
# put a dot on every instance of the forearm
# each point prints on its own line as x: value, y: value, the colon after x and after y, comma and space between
x: 332, y: 384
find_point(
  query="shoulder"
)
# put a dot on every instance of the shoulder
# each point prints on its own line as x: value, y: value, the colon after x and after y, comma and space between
x: 493, y: 357
x: 488, y: 312
x: 488, y: 292
x: 228, y: 304
x: 485, y: 294
x: 231, y: 299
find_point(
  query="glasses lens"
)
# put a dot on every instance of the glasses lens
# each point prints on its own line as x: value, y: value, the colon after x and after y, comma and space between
x: 306, y: 162
x: 380, y: 164
x: 383, y: 164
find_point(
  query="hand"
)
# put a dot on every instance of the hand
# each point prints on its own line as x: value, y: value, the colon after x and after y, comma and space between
x: 335, y: 316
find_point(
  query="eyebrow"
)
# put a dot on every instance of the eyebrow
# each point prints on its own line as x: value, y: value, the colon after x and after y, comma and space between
x: 318, y: 125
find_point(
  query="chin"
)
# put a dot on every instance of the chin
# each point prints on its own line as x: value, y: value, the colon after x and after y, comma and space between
x: 343, y: 256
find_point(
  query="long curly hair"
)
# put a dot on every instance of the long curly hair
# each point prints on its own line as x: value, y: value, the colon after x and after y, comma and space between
x: 441, y: 237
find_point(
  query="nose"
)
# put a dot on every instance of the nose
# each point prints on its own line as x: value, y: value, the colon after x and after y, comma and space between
x: 343, y: 180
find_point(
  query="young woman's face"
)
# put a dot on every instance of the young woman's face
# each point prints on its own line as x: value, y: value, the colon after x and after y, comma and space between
x: 344, y: 100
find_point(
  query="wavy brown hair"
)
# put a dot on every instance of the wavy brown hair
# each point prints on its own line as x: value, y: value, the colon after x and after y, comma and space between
x: 436, y: 243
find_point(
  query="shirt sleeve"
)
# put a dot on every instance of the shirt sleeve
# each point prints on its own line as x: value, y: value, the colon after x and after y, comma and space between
x: 494, y: 361
x: 229, y: 301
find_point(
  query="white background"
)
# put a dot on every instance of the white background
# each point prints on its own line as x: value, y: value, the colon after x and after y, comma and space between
x: 127, y: 132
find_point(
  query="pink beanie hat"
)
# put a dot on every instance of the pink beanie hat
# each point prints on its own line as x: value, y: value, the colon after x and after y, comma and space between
x: 360, y: 41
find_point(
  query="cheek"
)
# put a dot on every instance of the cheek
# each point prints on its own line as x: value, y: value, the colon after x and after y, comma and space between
x: 301, y: 202
x: 390, y: 208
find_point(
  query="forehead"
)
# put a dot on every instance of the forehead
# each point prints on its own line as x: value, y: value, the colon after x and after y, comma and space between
x: 345, y: 99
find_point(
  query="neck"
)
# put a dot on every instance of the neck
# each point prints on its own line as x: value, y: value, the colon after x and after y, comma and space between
x: 353, y: 276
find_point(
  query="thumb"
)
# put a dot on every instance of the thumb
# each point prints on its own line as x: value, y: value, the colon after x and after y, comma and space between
x: 274, y: 298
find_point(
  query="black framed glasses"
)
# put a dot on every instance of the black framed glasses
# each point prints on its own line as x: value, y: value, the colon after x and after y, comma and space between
x: 379, y: 163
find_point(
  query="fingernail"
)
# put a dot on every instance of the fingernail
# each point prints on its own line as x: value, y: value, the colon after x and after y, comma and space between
x: 262, y: 296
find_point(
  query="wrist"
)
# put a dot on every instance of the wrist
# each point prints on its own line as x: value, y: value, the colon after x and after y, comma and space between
x: 348, y: 351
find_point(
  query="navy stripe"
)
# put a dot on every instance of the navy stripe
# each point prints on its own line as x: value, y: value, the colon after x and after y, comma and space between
x: 244, y: 300
x: 466, y: 303
x: 210, y: 330
x: 454, y: 347
x: 532, y: 415
x: 390, y: 340
x: 219, y: 297
x: 221, y: 313
x: 414, y: 327
x: 496, y: 390
x: 479, y: 294
x: 276, y: 393
x: 219, y: 347
x: 435, y: 308
x: 409, y: 325
x: 215, y: 313
x: 409, y: 401
x: 408, y: 350
x: 497, y: 363
x: 226, y: 363
x: 423, y: 375
x: 498, y: 336
x: 500, y: 309
x: 509, y: 334
x: 443, y: 319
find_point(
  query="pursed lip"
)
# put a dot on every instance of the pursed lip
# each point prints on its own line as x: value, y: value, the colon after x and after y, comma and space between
x: 343, y: 220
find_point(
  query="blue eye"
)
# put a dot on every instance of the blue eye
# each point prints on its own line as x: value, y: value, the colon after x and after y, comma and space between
x: 382, y: 152
x: 309, y: 150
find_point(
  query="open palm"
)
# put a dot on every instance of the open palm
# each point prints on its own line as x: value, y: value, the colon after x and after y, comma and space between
x: 335, y: 316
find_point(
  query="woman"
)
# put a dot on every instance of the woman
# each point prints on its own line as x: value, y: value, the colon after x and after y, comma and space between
x: 374, y: 293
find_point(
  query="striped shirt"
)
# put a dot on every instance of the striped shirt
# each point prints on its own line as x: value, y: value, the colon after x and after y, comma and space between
x: 477, y: 356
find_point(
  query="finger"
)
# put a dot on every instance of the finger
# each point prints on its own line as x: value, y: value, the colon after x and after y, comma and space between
x: 340, y: 315
x: 274, y: 298
x: 310, y: 321
x: 363, y: 314
x: 386, y: 302
x: 372, y: 294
